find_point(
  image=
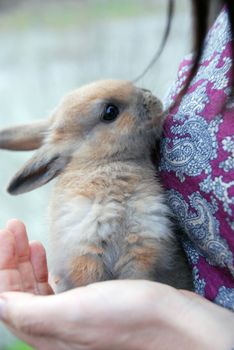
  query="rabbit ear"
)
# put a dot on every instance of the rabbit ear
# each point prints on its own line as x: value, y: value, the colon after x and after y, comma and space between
x: 39, y: 170
x: 24, y: 137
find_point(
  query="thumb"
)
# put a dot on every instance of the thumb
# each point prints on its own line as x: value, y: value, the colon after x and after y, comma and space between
x: 34, y: 315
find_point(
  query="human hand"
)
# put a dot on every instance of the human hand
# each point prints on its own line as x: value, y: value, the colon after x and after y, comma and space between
x: 121, y: 315
x: 23, y: 265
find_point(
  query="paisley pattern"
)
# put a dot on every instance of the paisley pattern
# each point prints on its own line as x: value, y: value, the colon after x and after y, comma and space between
x: 197, y: 166
x: 198, y: 219
x: 220, y: 190
x: 225, y: 297
x: 228, y: 146
x: 194, y: 145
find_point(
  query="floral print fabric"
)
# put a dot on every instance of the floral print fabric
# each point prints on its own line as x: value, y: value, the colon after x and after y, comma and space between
x: 197, y: 166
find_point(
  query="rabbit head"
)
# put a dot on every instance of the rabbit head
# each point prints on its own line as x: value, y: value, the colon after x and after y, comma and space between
x: 100, y: 122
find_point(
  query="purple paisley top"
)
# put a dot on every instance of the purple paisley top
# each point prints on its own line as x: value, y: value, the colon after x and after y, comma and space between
x: 197, y: 166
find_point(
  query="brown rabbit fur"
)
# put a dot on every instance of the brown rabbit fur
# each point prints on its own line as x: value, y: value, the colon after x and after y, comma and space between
x: 108, y: 216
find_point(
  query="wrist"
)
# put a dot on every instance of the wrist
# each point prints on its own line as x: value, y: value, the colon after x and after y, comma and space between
x: 187, y: 321
x: 209, y: 326
x: 219, y: 332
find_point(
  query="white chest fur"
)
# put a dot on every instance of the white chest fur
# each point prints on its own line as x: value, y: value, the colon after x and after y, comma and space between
x: 125, y: 213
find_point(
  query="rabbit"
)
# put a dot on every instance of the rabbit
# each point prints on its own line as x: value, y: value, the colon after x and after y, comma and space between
x: 108, y: 213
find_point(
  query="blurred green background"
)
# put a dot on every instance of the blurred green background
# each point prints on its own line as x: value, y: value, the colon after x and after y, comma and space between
x: 17, y: 345
x: 48, y: 48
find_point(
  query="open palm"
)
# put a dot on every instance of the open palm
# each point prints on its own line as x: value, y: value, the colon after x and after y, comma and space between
x: 116, y: 315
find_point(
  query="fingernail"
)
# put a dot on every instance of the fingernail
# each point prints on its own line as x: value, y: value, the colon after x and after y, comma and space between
x: 2, y: 308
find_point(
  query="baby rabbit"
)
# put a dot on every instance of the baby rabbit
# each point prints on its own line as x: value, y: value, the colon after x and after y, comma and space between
x: 108, y: 216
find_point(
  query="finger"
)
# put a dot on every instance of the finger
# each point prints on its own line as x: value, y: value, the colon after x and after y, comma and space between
x: 10, y: 279
x: 22, y: 245
x: 8, y: 256
x: 39, y: 264
x: 40, y: 316
x: 23, y: 254
x: 37, y: 342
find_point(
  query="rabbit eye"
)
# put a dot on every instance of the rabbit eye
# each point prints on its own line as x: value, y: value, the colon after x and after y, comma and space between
x: 110, y: 113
